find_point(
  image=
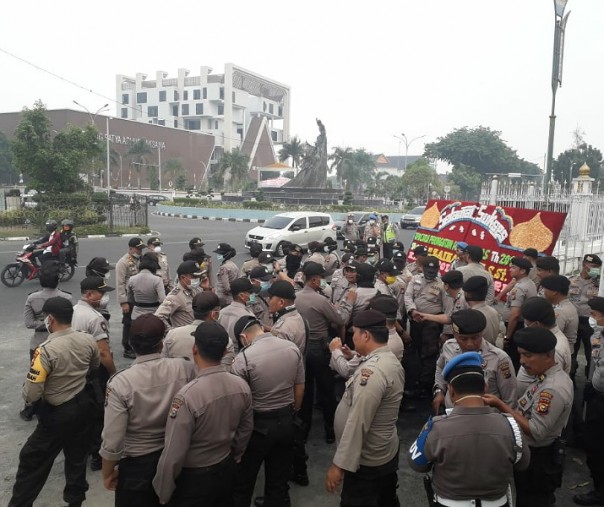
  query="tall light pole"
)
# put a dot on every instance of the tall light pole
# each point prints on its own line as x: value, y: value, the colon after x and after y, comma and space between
x: 558, y: 56
x: 408, y: 143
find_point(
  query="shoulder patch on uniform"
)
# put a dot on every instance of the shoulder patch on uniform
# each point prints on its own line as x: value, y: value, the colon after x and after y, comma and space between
x: 167, y: 302
x: 175, y: 407
x: 365, y: 374
x: 107, y: 393
x: 545, y: 399
x: 504, y: 368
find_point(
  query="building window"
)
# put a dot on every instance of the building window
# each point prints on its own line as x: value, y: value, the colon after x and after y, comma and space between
x: 124, y: 112
x: 196, y: 94
x: 152, y: 111
x: 205, y: 93
x: 198, y: 108
x: 233, y: 97
x: 141, y: 97
x: 125, y: 98
x: 185, y: 109
x: 175, y: 124
x: 185, y: 95
x: 175, y: 94
x: 175, y: 110
x: 193, y: 124
x: 240, y: 132
x: 220, y: 109
x: 222, y: 92
x: 270, y: 108
x: 280, y: 110
x: 264, y: 106
x: 162, y: 96
x: 216, y: 124
x: 161, y: 122
x: 274, y: 136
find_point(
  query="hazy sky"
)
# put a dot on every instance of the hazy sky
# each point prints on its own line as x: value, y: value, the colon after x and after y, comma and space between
x: 368, y: 70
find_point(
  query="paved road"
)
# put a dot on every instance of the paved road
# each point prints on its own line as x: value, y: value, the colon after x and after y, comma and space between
x: 14, y: 340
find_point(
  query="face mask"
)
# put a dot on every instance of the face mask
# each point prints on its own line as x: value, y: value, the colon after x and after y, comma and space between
x: 157, y: 249
x: 323, y: 283
x: 107, y: 276
x: 350, y: 222
x: 594, y: 273
x: 594, y: 324
x: 390, y: 280
x: 194, y: 283
x: 371, y: 222
x: 47, y: 323
x: 219, y: 257
x: 104, y: 300
x: 326, y: 249
x: 252, y: 299
x: 264, y: 285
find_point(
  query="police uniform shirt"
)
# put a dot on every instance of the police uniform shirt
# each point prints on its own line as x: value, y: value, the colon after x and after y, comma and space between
x: 316, y: 257
x: 567, y: 319
x: 210, y: 418
x: 229, y: 316
x: 164, y: 269
x: 339, y: 288
x: 260, y: 308
x: 34, y: 316
x: 581, y: 290
x: 533, y: 275
x: 319, y: 313
x: 476, y: 269
x: 563, y: 358
x: 350, y: 231
x: 523, y: 290
x: 290, y: 327
x: 427, y: 296
x: 365, y: 420
x: 456, y: 264
x: 597, y: 379
x: 500, y: 376
x: 87, y: 320
x: 409, y: 272
x: 372, y: 231
x: 59, y: 367
x: 179, y: 341
x: 382, y: 287
x: 228, y: 272
x: 126, y: 267
x: 493, y: 329
x: 145, y: 288
x: 547, y: 404
x: 332, y: 263
x: 177, y: 308
x: 452, y: 305
x: 271, y: 366
x: 248, y: 265
x: 472, y: 452
x: 137, y: 402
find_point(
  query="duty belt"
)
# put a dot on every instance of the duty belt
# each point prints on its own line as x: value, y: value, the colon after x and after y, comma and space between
x: 477, y: 502
x: 146, y: 305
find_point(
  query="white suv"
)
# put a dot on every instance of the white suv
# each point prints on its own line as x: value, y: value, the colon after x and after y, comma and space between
x: 297, y: 227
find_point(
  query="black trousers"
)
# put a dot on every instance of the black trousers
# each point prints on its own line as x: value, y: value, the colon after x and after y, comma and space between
x: 134, y: 485
x: 371, y: 486
x: 210, y: 486
x: 387, y: 249
x: 63, y: 428
x: 127, y: 322
x: 319, y: 374
x: 594, y: 436
x: 536, y: 485
x: 584, y: 333
x: 426, y: 336
x: 511, y: 348
x: 271, y: 443
x: 98, y: 385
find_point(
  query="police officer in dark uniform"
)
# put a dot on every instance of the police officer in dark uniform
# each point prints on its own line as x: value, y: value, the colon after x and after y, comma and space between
x: 136, y: 403
x: 474, y: 450
x: 274, y: 370
x: 58, y: 377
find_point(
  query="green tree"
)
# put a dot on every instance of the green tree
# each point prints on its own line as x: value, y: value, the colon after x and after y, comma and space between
x: 420, y: 180
x: 138, y: 154
x: 172, y: 169
x: 52, y: 164
x: 467, y: 180
x: 8, y: 173
x: 340, y: 159
x: 574, y: 158
x: 294, y: 149
x: 237, y: 164
x: 359, y: 171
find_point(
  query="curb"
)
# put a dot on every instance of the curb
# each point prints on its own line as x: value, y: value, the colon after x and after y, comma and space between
x: 90, y: 236
x: 179, y: 215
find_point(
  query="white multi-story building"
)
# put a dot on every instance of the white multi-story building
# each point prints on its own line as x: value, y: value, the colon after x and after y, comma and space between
x: 239, y: 108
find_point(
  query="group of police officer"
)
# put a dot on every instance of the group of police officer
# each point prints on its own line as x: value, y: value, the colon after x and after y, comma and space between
x: 225, y: 378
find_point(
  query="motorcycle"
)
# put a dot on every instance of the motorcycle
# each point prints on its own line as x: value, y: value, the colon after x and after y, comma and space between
x: 26, y: 268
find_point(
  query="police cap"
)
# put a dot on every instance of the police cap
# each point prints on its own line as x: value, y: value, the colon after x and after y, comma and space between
x: 266, y: 258
x: 241, y: 285
x: 260, y: 273
x: 154, y: 240
x: 597, y: 304
x: 385, y: 304
x: 453, y: 278
x: 146, y: 331
x: 369, y: 318
x: 360, y: 251
x: 313, y: 269
x: 136, y: 243
x: 387, y: 266
x: 431, y: 263
x: 535, y: 339
x: 205, y: 301
x: 420, y: 250
x: 100, y: 264
x: 95, y: 283
x: 365, y: 271
x: 195, y: 242
x: 557, y: 283
x: 593, y: 259
x: 399, y: 257
x: 245, y: 323
x: 468, y: 322
x: 223, y: 248
x: 188, y: 268
x: 282, y: 289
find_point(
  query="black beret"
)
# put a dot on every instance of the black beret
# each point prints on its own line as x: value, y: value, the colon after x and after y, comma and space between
x: 593, y: 259
x: 548, y: 263
x: 431, y: 263
x: 386, y: 266
x: 95, y: 283
x: 453, y: 278
x: 136, y: 243
x: 146, y: 331
x: 211, y: 331
x: 58, y: 306
x: 597, y: 304
x: 385, y: 304
x: 369, y: 318
x: 537, y: 309
x: 556, y: 283
x: 522, y: 263
x: 468, y: 322
x: 260, y: 273
x: 205, y: 301
x: 282, y: 289
x: 531, y: 252
x: 535, y: 339
x: 188, y: 268
x: 244, y: 323
x: 475, y: 283
x: 420, y: 250
x: 313, y: 268
x: 241, y: 285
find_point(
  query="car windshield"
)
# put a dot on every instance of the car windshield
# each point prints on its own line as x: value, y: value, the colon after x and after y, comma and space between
x: 417, y: 211
x: 277, y: 222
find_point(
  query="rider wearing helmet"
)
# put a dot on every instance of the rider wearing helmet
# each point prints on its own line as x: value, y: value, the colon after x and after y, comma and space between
x: 51, y: 247
x: 69, y: 242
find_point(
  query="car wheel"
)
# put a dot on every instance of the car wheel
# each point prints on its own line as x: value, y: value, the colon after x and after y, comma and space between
x: 279, y: 250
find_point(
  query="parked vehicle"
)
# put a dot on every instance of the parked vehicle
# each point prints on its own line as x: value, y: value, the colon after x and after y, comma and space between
x: 412, y: 218
x: 26, y: 268
x: 155, y: 199
x: 297, y: 227
x: 360, y: 218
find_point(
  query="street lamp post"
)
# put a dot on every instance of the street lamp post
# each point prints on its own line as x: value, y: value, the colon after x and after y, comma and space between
x: 403, y: 138
x: 558, y: 55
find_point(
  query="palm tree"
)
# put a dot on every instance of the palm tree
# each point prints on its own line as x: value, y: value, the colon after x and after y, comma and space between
x: 139, y: 151
x: 340, y: 158
x: 360, y: 171
x: 173, y: 168
x: 237, y: 163
x: 294, y: 150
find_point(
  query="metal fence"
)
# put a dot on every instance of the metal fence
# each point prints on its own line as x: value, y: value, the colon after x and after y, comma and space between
x: 125, y: 211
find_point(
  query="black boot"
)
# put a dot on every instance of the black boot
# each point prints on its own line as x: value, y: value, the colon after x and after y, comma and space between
x: 27, y: 414
x: 591, y: 498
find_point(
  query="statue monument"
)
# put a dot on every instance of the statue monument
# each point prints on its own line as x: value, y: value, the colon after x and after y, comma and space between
x: 314, y: 164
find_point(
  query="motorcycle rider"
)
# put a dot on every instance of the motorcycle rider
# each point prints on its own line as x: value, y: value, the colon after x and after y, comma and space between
x: 49, y: 247
x: 69, y: 242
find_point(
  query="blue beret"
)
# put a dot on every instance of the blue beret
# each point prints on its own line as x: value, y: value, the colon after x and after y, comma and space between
x: 466, y: 360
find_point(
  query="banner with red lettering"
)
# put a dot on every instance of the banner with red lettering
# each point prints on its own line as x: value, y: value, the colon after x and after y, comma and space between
x: 501, y: 232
